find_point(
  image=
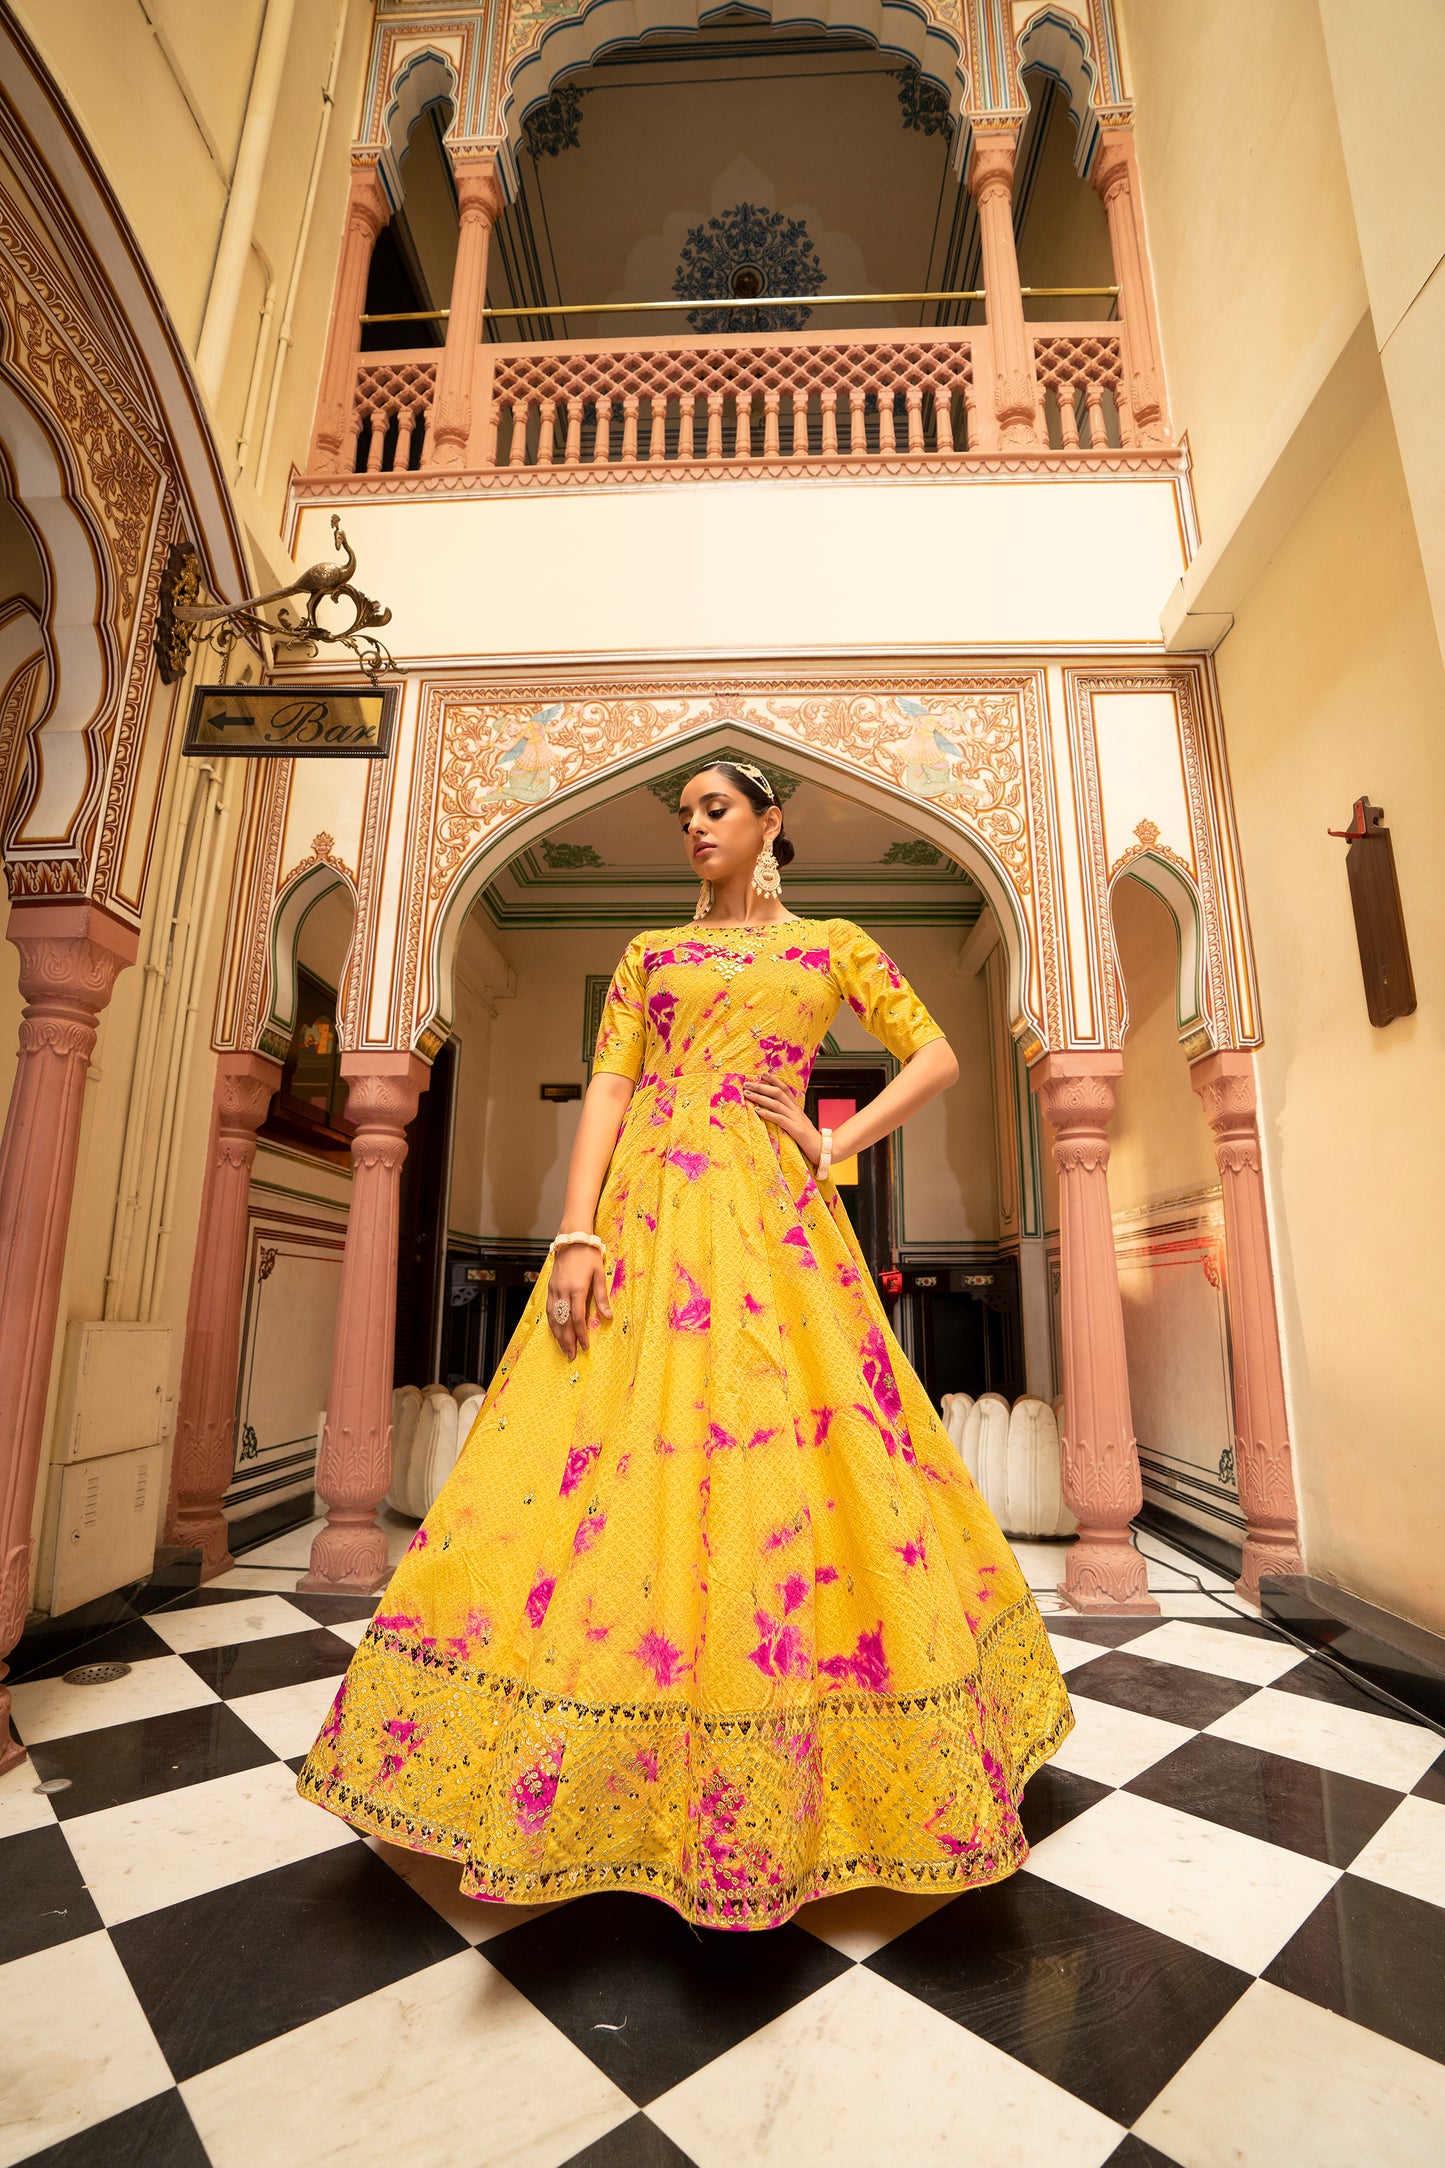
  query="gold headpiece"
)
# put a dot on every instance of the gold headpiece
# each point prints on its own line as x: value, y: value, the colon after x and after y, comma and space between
x: 746, y: 768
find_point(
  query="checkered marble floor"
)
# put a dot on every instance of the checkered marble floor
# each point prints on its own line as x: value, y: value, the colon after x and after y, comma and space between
x: 1228, y: 1945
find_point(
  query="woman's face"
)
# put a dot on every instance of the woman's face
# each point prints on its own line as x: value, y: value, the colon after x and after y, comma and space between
x: 720, y: 831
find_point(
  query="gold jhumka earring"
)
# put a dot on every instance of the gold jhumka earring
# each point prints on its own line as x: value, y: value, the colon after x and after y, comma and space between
x: 704, y: 901
x: 767, y: 873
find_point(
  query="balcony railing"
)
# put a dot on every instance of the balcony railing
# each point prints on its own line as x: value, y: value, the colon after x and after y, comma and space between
x: 716, y: 404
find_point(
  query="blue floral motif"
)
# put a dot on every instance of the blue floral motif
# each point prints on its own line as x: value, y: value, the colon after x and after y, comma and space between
x: 925, y: 107
x: 555, y: 126
x: 748, y: 251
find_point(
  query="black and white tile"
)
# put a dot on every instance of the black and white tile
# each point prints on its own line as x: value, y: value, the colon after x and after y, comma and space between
x: 1226, y: 1947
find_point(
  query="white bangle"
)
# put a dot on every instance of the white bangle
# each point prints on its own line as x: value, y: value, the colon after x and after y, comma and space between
x: 825, y: 1157
x: 596, y: 1241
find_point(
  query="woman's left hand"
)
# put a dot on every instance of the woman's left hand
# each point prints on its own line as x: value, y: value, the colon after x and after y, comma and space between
x: 776, y: 1104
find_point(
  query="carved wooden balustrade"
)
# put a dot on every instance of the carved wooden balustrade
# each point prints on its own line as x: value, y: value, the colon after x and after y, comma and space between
x: 748, y: 403
x: 1080, y: 374
x: 782, y: 401
x: 392, y: 411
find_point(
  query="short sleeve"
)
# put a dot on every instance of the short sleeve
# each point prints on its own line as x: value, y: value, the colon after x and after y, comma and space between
x: 877, y: 992
x: 623, y: 1026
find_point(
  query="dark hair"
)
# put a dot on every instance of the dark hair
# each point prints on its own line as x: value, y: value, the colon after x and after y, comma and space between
x: 760, y: 800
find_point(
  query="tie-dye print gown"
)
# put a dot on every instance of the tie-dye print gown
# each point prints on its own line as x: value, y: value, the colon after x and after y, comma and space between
x: 713, y: 1611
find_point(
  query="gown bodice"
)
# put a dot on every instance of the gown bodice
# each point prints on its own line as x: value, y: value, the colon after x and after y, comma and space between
x: 717, y: 1003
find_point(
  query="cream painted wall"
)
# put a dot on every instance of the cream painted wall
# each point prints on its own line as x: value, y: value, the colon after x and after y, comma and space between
x: 160, y: 91
x: 1246, y: 207
x: 1387, y: 60
x: 1159, y: 1142
x: 474, y: 1025
x: 950, y: 1176
x: 326, y: 936
x: 536, y: 1040
x: 1332, y: 686
x: 743, y: 568
x: 1065, y: 236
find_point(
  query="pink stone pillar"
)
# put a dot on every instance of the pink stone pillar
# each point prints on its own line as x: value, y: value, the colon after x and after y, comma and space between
x: 70, y: 956
x: 367, y: 211
x: 990, y: 182
x: 1225, y: 1084
x: 1116, y: 176
x: 479, y: 201
x: 204, y: 1458
x: 353, y: 1471
x: 1101, y: 1481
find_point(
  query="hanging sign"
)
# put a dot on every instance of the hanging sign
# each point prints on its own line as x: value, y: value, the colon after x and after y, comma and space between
x: 327, y: 722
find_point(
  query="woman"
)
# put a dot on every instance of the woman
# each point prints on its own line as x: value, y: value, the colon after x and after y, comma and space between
x: 709, y: 1607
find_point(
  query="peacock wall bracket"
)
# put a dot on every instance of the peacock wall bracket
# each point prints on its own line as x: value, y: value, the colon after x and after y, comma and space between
x: 186, y: 619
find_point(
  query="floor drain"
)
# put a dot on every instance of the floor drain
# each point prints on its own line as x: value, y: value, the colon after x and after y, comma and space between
x: 96, y: 1674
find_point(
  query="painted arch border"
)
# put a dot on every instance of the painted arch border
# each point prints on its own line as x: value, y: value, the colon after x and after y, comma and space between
x: 914, y: 30
x: 1027, y: 922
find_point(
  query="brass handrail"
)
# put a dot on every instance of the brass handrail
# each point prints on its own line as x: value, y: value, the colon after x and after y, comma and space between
x: 758, y: 301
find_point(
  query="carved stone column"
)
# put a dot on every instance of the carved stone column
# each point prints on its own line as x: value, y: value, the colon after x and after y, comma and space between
x: 479, y: 200
x: 990, y: 182
x: 205, y: 1451
x: 1225, y: 1084
x: 367, y: 211
x: 70, y: 956
x: 1116, y: 176
x: 353, y: 1471
x: 1104, y: 1572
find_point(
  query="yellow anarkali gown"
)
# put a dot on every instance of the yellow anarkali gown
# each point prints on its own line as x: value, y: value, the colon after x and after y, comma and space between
x: 713, y: 1611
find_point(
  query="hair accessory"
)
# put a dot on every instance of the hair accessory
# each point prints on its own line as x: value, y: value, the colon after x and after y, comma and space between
x: 745, y: 767
x: 767, y: 873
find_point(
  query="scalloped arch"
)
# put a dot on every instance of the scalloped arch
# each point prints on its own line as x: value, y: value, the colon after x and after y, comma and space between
x: 542, y: 47
x: 293, y: 906
x: 1059, y: 46
x: 939, y: 826
x: 1175, y: 889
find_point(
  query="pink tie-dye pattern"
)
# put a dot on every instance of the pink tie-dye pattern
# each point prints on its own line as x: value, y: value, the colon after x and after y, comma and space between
x: 579, y: 1460
x: 694, y: 1315
x: 914, y: 1552
x: 792, y: 1592
x: 662, y: 1657
x: 752, y: 1305
x: 782, y: 1652
x: 797, y: 1240
x: 588, y: 1532
x: 535, y: 1792
x: 693, y: 1164
x: 866, y: 1667
x: 540, y: 1596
